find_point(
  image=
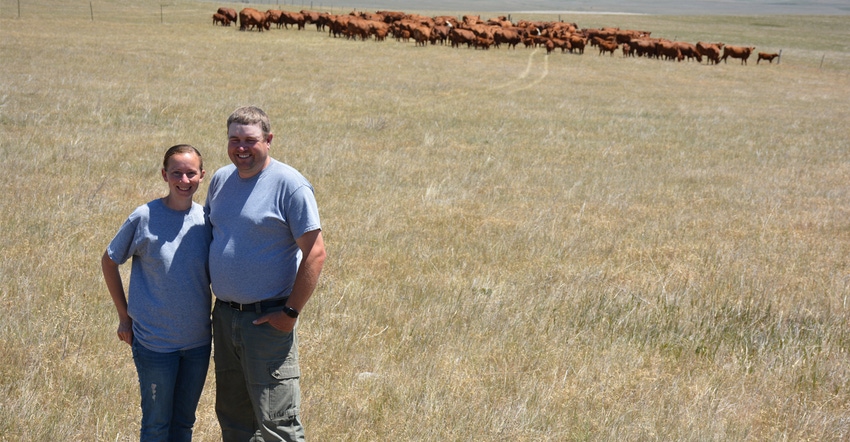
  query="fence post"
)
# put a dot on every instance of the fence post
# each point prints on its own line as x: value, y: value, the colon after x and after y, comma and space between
x: 91, y: 11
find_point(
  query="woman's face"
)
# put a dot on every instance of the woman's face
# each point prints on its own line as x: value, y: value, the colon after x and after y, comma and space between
x: 183, y: 174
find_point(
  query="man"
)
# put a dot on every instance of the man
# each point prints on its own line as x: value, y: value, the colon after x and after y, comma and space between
x: 265, y: 259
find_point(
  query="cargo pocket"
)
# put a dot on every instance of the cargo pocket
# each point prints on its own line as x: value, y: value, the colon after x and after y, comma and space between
x: 283, y: 391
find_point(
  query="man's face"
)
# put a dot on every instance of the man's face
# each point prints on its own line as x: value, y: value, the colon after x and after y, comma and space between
x: 248, y: 149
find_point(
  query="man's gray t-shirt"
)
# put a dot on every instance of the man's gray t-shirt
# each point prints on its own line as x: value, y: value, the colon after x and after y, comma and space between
x: 255, y: 222
x: 169, y: 296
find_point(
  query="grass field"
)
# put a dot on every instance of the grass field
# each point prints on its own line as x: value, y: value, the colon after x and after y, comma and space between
x: 521, y: 246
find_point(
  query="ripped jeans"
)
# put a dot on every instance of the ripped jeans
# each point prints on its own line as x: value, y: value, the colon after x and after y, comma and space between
x: 258, y: 393
x: 170, y: 385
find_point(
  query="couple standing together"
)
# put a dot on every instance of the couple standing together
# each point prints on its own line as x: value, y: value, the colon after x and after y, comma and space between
x: 257, y: 243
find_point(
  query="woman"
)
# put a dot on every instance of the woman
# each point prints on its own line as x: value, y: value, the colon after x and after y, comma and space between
x: 166, y: 318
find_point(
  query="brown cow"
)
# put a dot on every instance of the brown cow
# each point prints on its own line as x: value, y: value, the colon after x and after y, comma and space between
x: 292, y: 18
x: 710, y: 51
x: 439, y: 33
x: 606, y: 45
x: 250, y: 17
x: 470, y: 20
x: 742, y: 52
x: 379, y: 29
x: 669, y: 50
x: 483, y: 42
x: 643, y: 47
x: 338, y: 25
x: 446, y: 20
x: 506, y: 36
x: 220, y: 18
x: 391, y: 16
x: 767, y: 56
x: 358, y: 27
x: 229, y: 13
x: 381, y: 34
x: 421, y: 35
x: 689, y: 51
x: 461, y: 36
x: 310, y: 17
x: 560, y: 43
x: 273, y: 16
x: 577, y: 43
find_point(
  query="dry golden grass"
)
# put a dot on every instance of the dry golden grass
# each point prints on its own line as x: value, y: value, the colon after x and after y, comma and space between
x: 521, y: 246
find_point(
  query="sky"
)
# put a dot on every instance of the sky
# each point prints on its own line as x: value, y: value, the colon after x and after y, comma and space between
x: 665, y: 7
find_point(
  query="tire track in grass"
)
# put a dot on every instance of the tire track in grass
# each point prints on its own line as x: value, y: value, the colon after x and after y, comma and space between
x: 518, y: 84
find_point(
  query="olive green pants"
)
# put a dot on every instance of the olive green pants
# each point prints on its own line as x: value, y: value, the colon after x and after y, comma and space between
x: 258, y: 394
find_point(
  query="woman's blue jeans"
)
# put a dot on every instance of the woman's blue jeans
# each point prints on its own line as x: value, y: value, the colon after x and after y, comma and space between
x: 171, y: 385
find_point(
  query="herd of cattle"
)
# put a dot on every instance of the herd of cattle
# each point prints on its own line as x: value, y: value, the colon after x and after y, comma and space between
x: 475, y: 33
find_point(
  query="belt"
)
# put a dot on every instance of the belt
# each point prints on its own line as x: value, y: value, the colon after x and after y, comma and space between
x: 258, y: 307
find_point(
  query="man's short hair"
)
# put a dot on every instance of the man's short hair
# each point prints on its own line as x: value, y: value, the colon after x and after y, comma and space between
x: 249, y: 116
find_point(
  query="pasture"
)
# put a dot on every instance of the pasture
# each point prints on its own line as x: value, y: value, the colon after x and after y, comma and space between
x: 521, y: 246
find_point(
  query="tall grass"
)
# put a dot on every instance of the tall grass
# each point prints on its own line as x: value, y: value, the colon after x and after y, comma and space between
x: 521, y: 246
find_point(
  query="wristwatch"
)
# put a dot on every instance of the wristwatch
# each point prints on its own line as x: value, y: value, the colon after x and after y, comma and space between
x: 291, y: 312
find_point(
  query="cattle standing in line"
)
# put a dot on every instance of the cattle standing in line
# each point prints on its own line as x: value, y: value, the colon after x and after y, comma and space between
x: 767, y: 56
x: 480, y: 34
x: 742, y: 52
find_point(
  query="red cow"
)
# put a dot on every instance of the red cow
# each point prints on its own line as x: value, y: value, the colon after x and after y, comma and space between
x: 669, y: 50
x: 561, y: 43
x: 578, y: 43
x: 338, y: 25
x: 250, y: 17
x: 483, y: 42
x: 643, y: 47
x: 273, y: 16
x: 742, y: 52
x: 381, y: 33
x: 421, y: 35
x: 310, y: 17
x: 470, y: 20
x: 689, y: 51
x: 506, y: 36
x: 220, y: 18
x: 461, y: 36
x: 711, y: 51
x: 606, y: 45
x: 767, y: 56
x: 357, y: 27
x: 229, y: 13
x: 379, y: 29
x: 439, y: 33
x: 391, y: 16
x: 292, y: 18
